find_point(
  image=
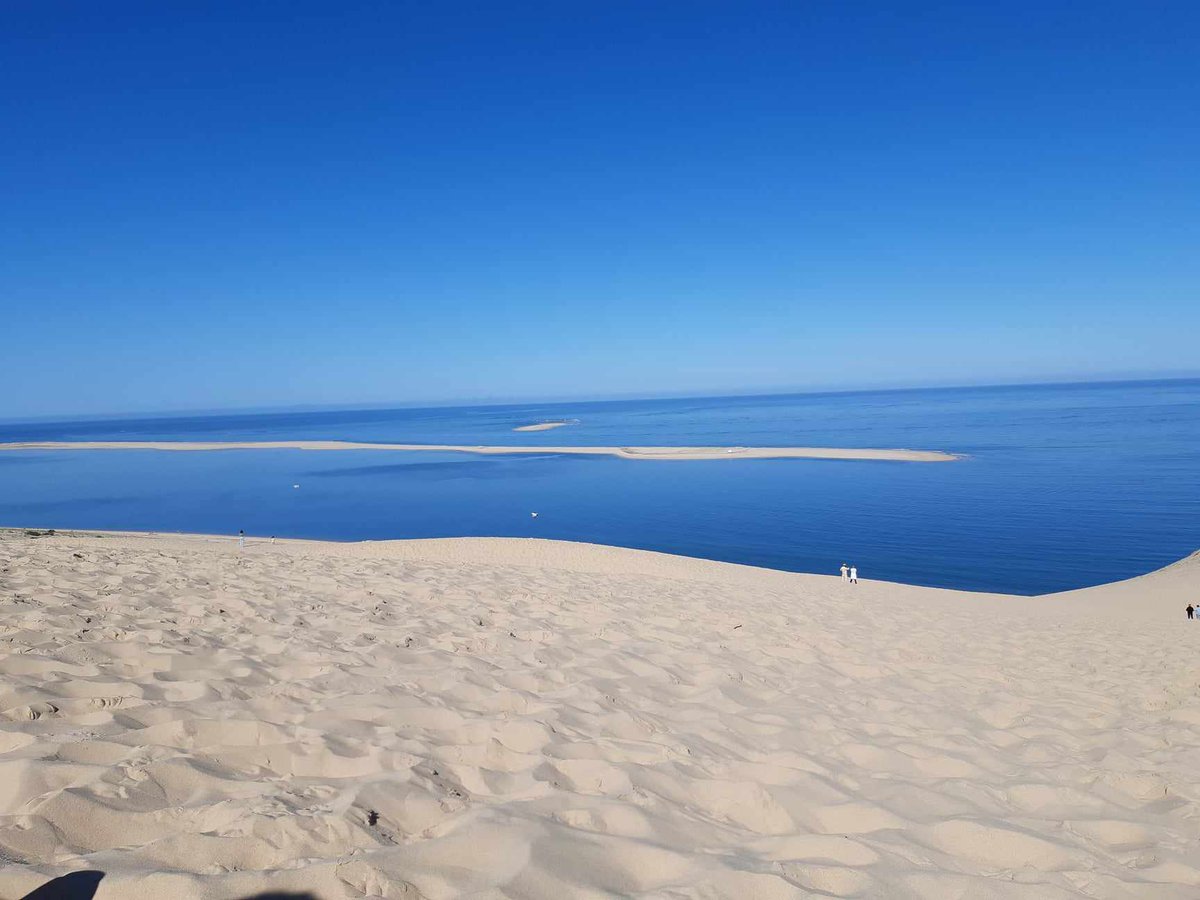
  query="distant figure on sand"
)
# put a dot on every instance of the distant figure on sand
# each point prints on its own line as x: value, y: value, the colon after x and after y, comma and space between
x: 854, y: 574
x: 1191, y: 610
x: 845, y: 572
x: 241, y: 539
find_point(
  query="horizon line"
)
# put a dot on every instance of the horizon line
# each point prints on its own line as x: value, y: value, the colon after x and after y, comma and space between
x: 483, y: 402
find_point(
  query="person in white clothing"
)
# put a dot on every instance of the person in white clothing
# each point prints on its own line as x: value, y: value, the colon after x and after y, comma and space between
x: 854, y: 574
x: 845, y: 572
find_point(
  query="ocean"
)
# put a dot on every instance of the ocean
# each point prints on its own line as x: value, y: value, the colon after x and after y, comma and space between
x: 1063, y: 486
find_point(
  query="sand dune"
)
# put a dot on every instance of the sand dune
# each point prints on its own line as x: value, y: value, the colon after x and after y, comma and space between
x: 659, y: 453
x: 495, y: 718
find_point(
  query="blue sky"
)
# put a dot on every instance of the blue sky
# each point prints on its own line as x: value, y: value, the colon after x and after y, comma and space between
x: 210, y: 205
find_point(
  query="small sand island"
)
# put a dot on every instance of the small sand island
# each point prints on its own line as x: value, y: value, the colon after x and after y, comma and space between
x: 543, y: 426
x: 533, y: 719
x: 649, y: 453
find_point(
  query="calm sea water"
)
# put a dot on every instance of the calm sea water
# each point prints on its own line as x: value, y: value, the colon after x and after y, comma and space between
x: 1065, y: 485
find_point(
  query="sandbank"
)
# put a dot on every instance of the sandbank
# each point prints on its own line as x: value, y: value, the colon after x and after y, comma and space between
x: 652, y: 453
x: 541, y: 426
x: 512, y: 718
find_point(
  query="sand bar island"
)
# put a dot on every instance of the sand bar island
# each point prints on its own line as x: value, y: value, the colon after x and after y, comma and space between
x: 655, y: 453
x: 543, y: 426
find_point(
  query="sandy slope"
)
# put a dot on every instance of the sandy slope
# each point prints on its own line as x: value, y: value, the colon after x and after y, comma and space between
x: 504, y: 718
x: 656, y: 453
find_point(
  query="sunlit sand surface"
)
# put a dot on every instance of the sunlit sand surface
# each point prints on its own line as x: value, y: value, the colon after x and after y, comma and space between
x: 495, y: 718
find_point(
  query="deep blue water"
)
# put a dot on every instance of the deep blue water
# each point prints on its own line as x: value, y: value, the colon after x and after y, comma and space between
x: 1064, y: 485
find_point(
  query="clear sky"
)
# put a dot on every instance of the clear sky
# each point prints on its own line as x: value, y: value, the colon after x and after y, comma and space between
x: 209, y: 205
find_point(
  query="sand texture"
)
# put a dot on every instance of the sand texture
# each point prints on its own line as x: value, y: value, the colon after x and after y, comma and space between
x: 498, y: 718
x: 660, y: 453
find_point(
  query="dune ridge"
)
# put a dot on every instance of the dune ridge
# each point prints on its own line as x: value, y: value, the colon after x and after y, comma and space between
x: 512, y: 718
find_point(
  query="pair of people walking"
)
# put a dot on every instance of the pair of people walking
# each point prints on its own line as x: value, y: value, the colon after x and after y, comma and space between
x: 850, y: 573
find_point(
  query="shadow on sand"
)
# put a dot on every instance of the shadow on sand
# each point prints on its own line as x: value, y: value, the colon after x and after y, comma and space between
x: 76, y: 886
x: 83, y: 886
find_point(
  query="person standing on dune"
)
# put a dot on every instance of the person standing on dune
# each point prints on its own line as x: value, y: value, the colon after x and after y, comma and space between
x: 845, y: 572
x: 854, y: 574
x: 1191, y: 610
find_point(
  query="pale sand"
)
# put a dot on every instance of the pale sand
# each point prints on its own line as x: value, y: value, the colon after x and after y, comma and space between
x: 501, y: 718
x: 675, y: 453
x: 541, y: 426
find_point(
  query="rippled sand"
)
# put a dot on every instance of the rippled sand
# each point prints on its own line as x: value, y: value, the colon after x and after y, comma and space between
x: 506, y: 718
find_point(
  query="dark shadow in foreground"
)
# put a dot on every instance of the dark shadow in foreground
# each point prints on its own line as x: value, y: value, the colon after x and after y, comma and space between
x: 76, y: 886
x: 83, y: 885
